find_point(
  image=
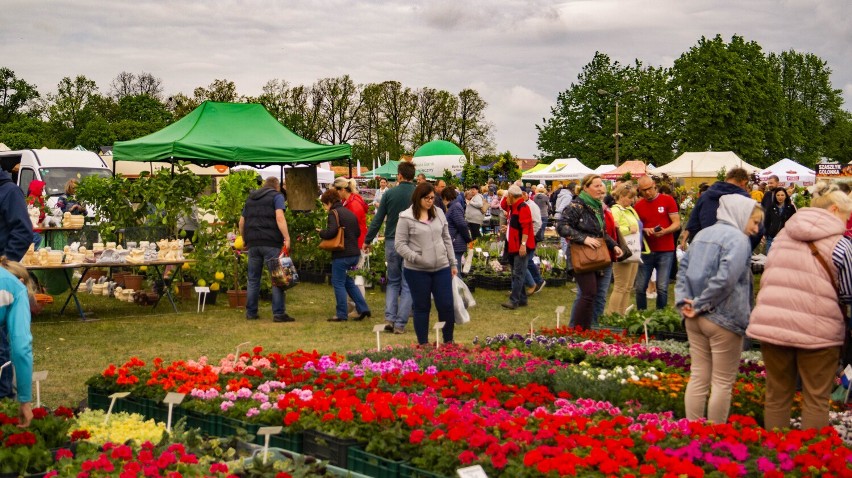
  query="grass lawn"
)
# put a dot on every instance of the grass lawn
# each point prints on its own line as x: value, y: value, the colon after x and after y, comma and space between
x: 72, y: 350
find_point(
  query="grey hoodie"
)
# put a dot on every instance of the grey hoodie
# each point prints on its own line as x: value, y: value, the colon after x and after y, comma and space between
x: 424, y: 246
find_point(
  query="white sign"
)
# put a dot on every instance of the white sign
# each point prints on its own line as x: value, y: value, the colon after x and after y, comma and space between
x: 39, y: 377
x: 114, y: 397
x: 237, y: 352
x: 559, y: 311
x: 172, y: 399
x: 475, y: 471
x: 378, y: 329
x: 265, y: 432
x: 532, y: 329
x: 645, y: 326
x: 438, y: 327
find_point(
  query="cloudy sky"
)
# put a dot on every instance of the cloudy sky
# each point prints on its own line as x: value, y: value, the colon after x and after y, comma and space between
x: 517, y: 54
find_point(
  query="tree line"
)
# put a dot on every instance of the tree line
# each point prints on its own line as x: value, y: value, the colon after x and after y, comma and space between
x: 717, y: 96
x: 380, y: 120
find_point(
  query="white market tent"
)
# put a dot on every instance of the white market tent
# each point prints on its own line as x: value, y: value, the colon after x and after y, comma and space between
x: 558, y: 170
x: 705, y: 164
x: 789, y: 172
x: 604, y: 168
x: 324, y: 176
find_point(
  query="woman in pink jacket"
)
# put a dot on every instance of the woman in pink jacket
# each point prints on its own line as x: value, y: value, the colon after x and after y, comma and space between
x: 798, y: 318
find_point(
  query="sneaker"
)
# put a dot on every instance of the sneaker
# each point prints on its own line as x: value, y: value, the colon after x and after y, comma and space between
x: 531, y: 290
x: 252, y: 317
x: 509, y: 305
x: 540, y: 286
x: 389, y: 327
x: 398, y: 330
x: 283, y: 318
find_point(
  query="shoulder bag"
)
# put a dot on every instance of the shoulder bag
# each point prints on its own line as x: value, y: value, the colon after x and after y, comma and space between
x: 336, y: 242
x: 846, y: 351
x: 588, y: 259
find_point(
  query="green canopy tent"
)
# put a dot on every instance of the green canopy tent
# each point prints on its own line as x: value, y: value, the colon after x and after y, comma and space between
x: 388, y: 171
x: 228, y: 134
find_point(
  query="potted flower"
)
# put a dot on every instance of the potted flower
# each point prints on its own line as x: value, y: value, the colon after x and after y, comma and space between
x: 22, y: 452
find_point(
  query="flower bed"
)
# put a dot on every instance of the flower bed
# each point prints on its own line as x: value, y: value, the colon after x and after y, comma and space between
x: 559, y: 403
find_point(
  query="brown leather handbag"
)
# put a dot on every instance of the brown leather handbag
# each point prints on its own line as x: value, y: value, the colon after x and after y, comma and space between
x: 588, y: 259
x: 336, y: 242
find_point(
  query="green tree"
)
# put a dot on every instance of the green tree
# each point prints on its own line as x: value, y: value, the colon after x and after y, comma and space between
x: 341, y: 103
x: 724, y: 97
x: 397, y: 108
x: 838, y: 137
x: 143, y: 108
x: 15, y: 93
x: 219, y: 90
x: 67, y: 110
x: 809, y: 104
x: 473, y: 131
x: 646, y: 128
x: 505, y: 168
x: 472, y: 174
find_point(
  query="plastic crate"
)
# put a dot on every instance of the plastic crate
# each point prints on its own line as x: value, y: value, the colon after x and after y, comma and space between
x: 327, y: 447
x: 229, y: 426
x: 98, y: 399
x: 208, y: 424
x: 287, y: 441
x: 408, y: 471
x: 372, y: 465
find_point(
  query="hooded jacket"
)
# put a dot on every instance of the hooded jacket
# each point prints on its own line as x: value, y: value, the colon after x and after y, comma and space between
x: 797, y: 304
x: 715, y: 271
x: 424, y: 246
x: 459, y: 229
x: 704, y: 213
x: 358, y: 206
x: 34, y: 197
x: 16, y: 229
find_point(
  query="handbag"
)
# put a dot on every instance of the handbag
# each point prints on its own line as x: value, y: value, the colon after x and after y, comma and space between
x: 588, y: 259
x: 846, y: 351
x: 336, y: 242
x: 626, y: 251
x: 282, y: 271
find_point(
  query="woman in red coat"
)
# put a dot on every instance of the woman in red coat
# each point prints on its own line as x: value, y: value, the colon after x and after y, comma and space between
x: 353, y: 201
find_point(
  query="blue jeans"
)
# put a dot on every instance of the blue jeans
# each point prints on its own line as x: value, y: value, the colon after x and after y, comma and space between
x: 398, y: 297
x: 437, y: 284
x: 6, y: 390
x: 602, y: 280
x: 533, y: 274
x: 258, y: 256
x: 768, y: 245
x: 519, y: 269
x: 662, y: 261
x: 343, y: 285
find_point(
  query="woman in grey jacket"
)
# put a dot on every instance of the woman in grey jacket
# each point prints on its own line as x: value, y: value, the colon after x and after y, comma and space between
x: 713, y: 294
x: 423, y: 240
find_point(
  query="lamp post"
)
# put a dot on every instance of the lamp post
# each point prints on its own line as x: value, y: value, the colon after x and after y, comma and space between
x: 617, y: 96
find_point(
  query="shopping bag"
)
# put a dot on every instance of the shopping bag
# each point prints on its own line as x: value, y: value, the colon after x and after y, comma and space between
x: 462, y: 300
x: 282, y: 271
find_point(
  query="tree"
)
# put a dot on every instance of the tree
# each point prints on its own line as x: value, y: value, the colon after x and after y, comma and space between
x: 341, y: 102
x: 473, y: 132
x: 645, y: 123
x: 397, y: 108
x: 220, y: 90
x: 724, y: 97
x: 809, y: 104
x: 578, y: 124
x: 15, y: 93
x: 368, y: 145
x: 426, y: 116
x: 68, y: 107
x: 129, y: 84
x: 446, y: 105
x: 505, y: 168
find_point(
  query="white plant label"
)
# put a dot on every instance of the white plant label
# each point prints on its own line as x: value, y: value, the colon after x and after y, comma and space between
x: 438, y: 327
x: 265, y: 432
x: 475, y: 471
x: 378, y: 329
x: 172, y: 399
x: 559, y: 311
x: 114, y: 397
x: 237, y: 352
x: 39, y: 377
x: 645, y: 326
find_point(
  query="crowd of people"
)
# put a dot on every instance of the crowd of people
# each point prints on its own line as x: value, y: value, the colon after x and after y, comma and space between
x: 628, y: 239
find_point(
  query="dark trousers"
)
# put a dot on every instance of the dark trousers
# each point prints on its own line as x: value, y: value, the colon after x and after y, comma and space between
x: 519, y: 271
x: 584, y: 305
x: 425, y: 285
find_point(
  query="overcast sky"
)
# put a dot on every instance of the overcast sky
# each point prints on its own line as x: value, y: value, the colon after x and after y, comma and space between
x: 517, y: 54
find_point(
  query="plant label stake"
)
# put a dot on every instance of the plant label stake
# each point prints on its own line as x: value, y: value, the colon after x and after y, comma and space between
x: 532, y: 330
x: 172, y: 399
x: 559, y: 311
x: 475, y: 471
x: 39, y: 377
x: 378, y: 329
x: 202, y: 298
x: 645, y: 326
x: 266, y: 432
x: 114, y: 397
x: 438, y: 327
x: 237, y: 352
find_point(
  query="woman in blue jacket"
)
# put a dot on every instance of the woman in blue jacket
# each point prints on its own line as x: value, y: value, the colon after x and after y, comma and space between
x: 15, y: 321
x: 459, y: 230
x: 713, y: 294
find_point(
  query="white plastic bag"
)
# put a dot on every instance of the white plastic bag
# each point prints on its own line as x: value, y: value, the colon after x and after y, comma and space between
x: 462, y: 300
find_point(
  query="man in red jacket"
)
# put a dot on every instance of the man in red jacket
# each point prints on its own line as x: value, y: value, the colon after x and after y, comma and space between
x: 520, y: 241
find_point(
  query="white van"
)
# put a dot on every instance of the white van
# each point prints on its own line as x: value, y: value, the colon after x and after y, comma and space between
x: 53, y: 166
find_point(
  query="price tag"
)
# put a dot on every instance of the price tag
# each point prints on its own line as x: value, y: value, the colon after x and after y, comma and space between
x: 266, y: 432
x: 478, y: 250
x: 438, y: 326
x: 475, y: 471
x: 202, y: 290
x: 559, y: 311
x: 378, y: 329
x: 39, y: 377
x: 114, y: 397
x: 172, y: 399
x: 485, y: 254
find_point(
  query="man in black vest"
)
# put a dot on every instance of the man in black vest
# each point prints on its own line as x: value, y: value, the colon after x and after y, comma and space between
x: 264, y: 230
